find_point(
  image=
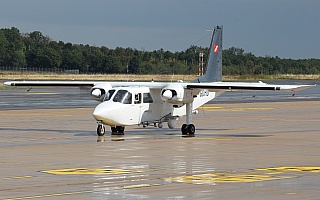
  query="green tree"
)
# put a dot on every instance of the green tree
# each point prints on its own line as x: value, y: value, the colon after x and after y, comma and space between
x: 135, y: 62
x: 15, y: 56
x: 4, y: 56
x: 72, y: 57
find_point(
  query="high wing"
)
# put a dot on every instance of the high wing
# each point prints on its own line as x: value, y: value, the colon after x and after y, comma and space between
x: 214, y: 87
x: 50, y: 83
x: 83, y: 83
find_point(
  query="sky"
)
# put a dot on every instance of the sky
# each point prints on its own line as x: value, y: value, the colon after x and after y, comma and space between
x: 283, y: 28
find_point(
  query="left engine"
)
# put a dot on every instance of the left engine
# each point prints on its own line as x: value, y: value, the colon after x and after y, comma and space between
x: 99, y: 91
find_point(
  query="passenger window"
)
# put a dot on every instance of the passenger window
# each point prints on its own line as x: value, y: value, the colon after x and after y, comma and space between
x: 147, y: 98
x: 137, y: 98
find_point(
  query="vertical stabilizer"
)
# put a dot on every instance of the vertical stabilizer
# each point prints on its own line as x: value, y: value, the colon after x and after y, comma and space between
x: 214, y: 63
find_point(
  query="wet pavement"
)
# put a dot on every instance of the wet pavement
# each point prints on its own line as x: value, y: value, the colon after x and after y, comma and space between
x: 253, y: 150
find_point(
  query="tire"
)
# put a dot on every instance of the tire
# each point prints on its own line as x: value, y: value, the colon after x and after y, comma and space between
x: 101, y: 130
x: 120, y: 130
x: 184, y: 129
x: 113, y: 129
x: 191, y: 129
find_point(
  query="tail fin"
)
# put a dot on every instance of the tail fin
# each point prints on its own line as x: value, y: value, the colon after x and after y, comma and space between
x: 214, y: 63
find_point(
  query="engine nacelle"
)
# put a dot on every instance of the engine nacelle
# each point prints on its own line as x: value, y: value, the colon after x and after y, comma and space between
x: 99, y: 91
x: 173, y: 93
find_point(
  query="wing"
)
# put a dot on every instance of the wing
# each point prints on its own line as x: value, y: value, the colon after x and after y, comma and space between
x: 214, y: 86
x: 83, y: 83
x: 231, y: 86
x: 51, y: 83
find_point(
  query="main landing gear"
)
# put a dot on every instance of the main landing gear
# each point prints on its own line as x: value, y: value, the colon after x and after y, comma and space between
x: 116, y: 130
x: 188, y: 128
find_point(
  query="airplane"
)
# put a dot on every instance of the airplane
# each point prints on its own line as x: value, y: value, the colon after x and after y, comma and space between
x: 154, y: 103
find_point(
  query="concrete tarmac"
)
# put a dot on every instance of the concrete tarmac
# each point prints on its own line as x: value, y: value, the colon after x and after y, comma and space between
x: 265, y: 150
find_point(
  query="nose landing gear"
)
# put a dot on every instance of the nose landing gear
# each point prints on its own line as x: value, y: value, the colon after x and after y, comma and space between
x: 115, y: 130
x: 101, y: 130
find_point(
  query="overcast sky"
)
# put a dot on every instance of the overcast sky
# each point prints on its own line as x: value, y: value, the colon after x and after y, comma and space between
x: 284, y: 28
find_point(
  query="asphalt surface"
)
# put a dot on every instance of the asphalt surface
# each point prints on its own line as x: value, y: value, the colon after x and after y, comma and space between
x: 261, y: 148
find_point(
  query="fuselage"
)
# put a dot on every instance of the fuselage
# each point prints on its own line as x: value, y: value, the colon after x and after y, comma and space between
x: 123, y: 106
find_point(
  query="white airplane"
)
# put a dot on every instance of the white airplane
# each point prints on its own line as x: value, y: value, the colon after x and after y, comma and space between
x: 153, y: 103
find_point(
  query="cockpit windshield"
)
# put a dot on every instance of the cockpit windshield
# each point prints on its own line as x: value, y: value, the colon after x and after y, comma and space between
x: 109, y: 95
x: 123, y: 96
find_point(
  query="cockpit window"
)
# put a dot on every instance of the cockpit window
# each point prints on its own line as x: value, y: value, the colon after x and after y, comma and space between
x: 109, y: 95
x: 123, y: 96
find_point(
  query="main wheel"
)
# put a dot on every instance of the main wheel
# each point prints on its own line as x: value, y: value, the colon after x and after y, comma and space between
x: 101, y: 130
x: 191, y: 129
x: 120, y: 130
x: 113, y: 130
x: 184, y: 129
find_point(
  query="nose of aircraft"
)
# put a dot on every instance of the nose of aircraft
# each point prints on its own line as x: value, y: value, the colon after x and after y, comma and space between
x: 99, y: 112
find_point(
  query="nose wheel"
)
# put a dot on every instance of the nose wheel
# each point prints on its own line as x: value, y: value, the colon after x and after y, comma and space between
x: 101, y: 130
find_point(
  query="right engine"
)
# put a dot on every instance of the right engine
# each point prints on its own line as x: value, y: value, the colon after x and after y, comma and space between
x: 98, y: 92
x: 176, y: 94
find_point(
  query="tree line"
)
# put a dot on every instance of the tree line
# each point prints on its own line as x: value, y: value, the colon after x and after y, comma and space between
x: 34, y: 50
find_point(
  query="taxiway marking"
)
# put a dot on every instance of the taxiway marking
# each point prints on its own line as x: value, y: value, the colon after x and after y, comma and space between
x: 224, y: 177
x: 255, y: 175
x: 91, y: 171
x: 285, y: 169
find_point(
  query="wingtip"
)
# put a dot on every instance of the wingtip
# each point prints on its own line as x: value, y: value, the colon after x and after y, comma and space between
x: 8, y: 83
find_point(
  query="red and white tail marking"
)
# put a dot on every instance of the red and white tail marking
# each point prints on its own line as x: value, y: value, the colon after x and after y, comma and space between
x: 216, y: 48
